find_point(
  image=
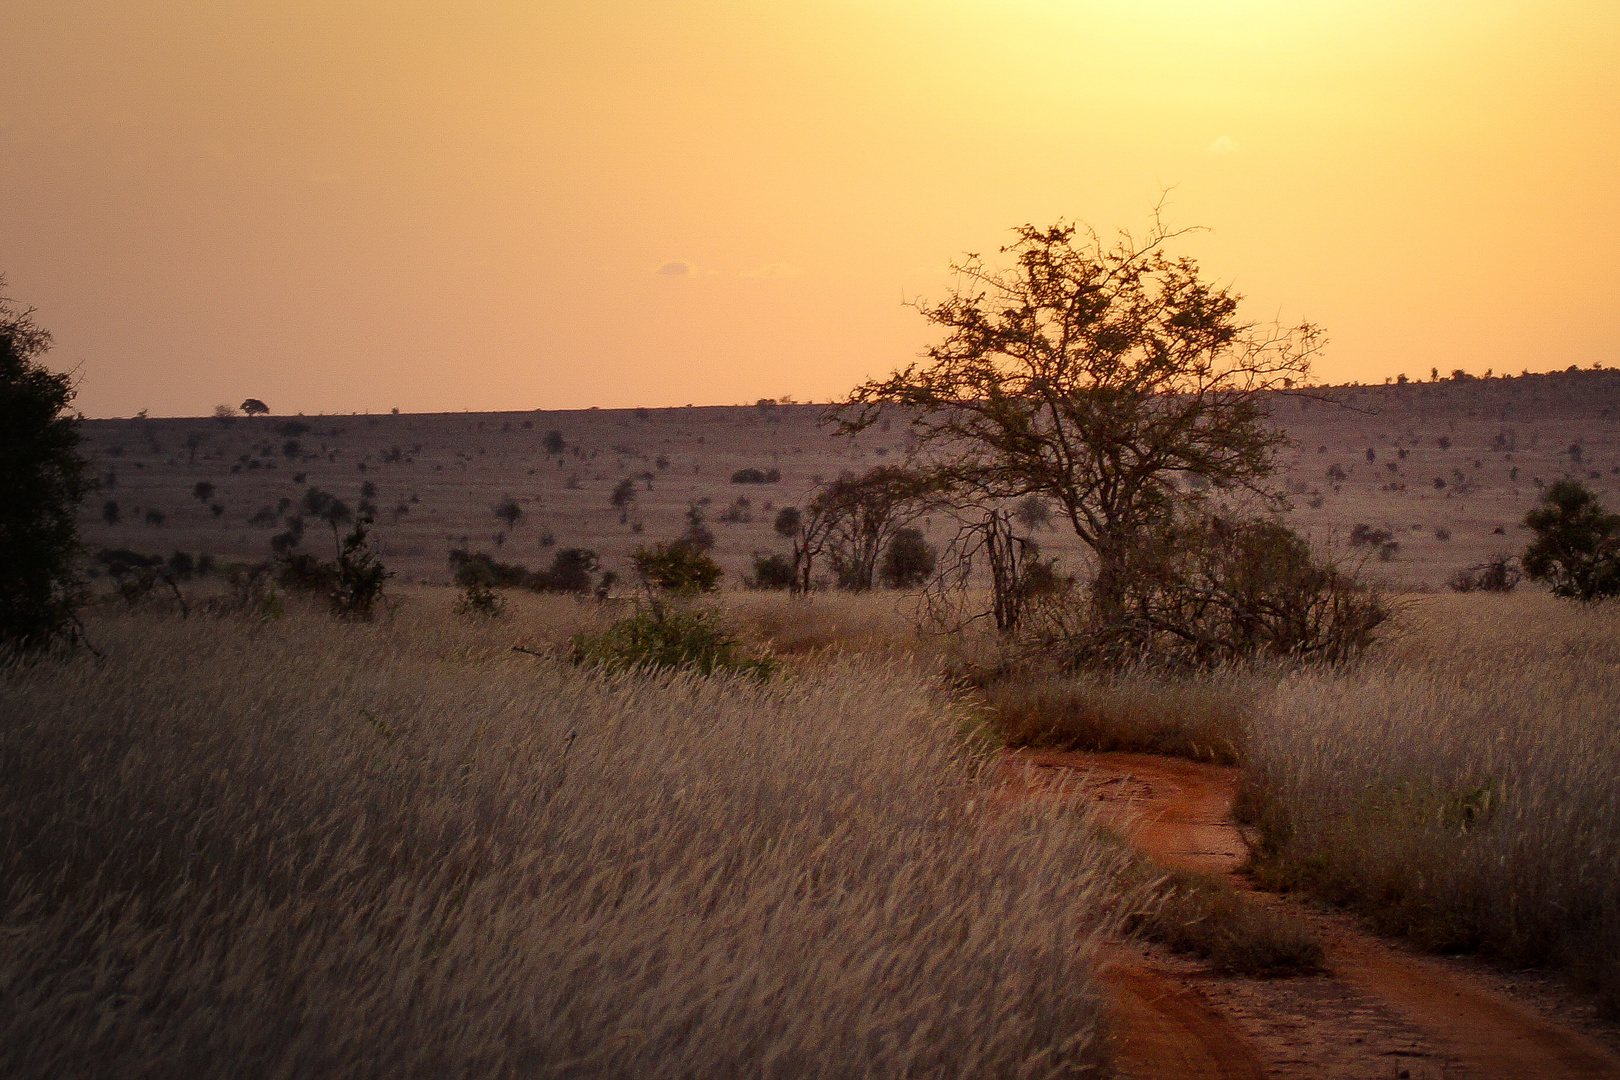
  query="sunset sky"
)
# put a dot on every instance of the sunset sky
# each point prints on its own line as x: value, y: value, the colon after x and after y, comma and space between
x: 343, y: 206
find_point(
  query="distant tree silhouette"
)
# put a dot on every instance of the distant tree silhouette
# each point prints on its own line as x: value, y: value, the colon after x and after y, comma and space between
x: 254, y: 407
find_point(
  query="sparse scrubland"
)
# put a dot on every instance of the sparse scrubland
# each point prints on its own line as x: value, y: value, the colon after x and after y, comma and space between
x: 1462, y: 788
x: 306, y: 847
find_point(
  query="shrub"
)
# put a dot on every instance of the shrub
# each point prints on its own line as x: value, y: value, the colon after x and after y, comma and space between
x: 110, y: 512
x: 1207, y: 591
x: 1577, y: 544
x: 303, y: 572
x: 908, y: 562
x: 756, y: 476
x: 479, y: 569
x: 1498, y: 574
x: 508, y: 512
x: 678, y: 567
x: 698, y: 535
x: 182, y: 565
x: 478, y: 600
x: 360, y: 576
x: 772, y: 571
x: 1367, y: 536
x: 570, y: 572
x: 554, y: 442
x: 624, y: 495
x: 666, y: 637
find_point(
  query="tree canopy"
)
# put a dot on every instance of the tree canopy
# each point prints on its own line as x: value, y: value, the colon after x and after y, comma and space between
x: 44, y: 481
x: 1093, y: 375
x: 1577, y: 544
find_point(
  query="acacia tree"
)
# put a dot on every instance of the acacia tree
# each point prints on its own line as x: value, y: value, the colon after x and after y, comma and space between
x: 1093, y: 375
x: 44, y: 482
x: 864, y: 513
x: 1577, y: 544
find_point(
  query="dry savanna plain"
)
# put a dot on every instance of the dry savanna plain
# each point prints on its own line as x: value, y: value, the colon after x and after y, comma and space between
x: 249, y: 839
x: 1448, y: 468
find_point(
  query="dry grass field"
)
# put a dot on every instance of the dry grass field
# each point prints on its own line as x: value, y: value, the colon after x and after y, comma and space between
x: 1363, y: 455
x: 1462, y: 788
x: 298, y: 846
x: 303, y: 847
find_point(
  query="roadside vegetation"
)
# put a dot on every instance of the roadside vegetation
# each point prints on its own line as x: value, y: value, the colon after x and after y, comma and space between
x: 1460, y: 788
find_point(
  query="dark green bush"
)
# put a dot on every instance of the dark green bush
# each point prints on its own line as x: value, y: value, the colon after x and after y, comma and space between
x: 570, y: 572
x: 1577, y: 544
x: 360, y: 576
x: 304, y: 572
x: 772, y: 571
x: 908, y: 562
x: 663, y: 637
x: 479, y: 568
x: 678, y: 567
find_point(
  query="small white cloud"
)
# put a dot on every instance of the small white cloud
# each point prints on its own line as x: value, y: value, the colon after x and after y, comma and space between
x: 772, y: 270
x: 1223, y: 145
x: 676, y: 268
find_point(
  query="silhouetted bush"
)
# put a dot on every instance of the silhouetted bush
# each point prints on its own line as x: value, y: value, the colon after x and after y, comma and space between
x: 1207, y: 591
x: 1367, y: 536
x: 771, y: 571
x: 570, y: 572
x: 306, y: 573
x: 509, y: 512
x: 908, y: 562
x: 1498, y: 574
x: 360, y: 576
x: 477, y: 568
x: 756, y: 476
x: 678, y: 567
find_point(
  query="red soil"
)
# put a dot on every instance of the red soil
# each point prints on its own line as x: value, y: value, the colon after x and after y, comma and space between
x: 1381, y: 1011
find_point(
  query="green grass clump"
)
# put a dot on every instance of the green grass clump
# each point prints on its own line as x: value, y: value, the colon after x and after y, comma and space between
x: 664, y: 637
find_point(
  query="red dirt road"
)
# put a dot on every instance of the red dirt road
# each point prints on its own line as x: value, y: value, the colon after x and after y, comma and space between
x: 1380, y: 1012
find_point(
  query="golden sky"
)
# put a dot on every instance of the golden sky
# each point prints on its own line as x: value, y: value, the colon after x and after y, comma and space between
x: 342, y: 206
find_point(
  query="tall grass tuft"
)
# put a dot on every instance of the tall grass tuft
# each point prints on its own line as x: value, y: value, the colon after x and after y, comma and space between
x: 316, y: 848
x: 1203, y: 717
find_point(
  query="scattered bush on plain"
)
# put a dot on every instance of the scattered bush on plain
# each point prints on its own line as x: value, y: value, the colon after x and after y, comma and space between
x: 679, y: 567
x: 668, y: 637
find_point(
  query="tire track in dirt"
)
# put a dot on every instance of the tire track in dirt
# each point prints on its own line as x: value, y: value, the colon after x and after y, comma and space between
x: 1380, y: 1012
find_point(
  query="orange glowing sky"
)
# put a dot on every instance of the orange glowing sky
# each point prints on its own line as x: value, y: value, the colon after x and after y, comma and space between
x: 340, y: 206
